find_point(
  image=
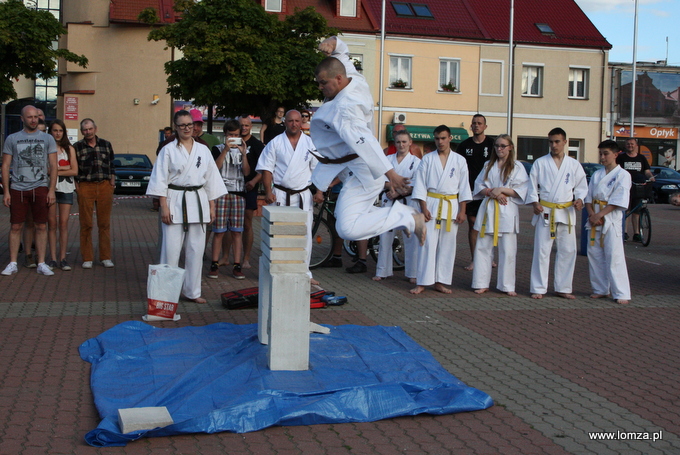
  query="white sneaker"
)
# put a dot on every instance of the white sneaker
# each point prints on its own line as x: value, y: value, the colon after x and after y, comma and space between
x: 43, y: 269
x: 10, y: 269
x: 107, y: 263
x: 87, y: 264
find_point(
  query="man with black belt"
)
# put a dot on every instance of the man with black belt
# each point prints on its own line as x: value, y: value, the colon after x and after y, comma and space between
x: 95, y: 184
x: 286, y: 166
x: 476, y: 151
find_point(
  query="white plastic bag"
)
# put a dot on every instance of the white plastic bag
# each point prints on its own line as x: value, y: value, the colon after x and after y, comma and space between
x: 163, y: 289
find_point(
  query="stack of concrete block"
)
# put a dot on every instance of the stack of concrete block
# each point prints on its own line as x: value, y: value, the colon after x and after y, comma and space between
x: 283, y: 315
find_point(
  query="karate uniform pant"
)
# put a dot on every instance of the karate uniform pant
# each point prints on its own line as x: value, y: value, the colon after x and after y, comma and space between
x: 437, y: 256
x: 385, y: 264
x: 608, y: 271
x: 565, y: 259
x: 308, y: 206
x: 193, y: 242
x: 507, y: 255
x: 357, y: 217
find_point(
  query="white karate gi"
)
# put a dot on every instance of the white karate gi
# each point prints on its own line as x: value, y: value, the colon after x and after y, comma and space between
x: 508, y: 227
x: 437, y: 256
x: 174, y: 166
x: 563, y: 185
x: 291, y: 169
x: 607, y: 265
x: 342, y: 126
x: 407, y: 168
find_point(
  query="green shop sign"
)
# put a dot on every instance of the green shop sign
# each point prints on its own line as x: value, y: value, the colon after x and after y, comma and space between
x: 426, y: 133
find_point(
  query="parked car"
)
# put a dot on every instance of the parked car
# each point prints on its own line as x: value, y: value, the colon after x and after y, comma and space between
x: 667, y: 182
x: 132, y: 173
x: 590, y: 169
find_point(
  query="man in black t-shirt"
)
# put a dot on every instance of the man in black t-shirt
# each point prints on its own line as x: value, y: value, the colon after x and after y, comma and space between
x: 476, y: 150
x: 637, y: 165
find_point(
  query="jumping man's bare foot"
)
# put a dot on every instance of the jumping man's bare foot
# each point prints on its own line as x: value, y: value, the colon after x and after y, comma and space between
x: 378, y: 278
x: 621, y: 301
x: 417, y: 289
x: 420, y: 230
x: 565, y: 295
x: 481, y: 291
x: 512, y: 294
x: 470, y: 267
x: 597, y: 296
x: 536, y: 296
x: 441, y: 288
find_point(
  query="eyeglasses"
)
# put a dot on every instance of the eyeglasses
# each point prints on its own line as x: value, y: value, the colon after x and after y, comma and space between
x: 501, y: 146
x: 184, y: 126
x: 305, y: 115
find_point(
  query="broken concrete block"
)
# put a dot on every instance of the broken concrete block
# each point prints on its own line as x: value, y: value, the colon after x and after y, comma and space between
x: 139, y: 419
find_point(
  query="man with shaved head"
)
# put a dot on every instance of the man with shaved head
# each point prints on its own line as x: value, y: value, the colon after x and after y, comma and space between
x: 31, y: 155
x: 342, y: 130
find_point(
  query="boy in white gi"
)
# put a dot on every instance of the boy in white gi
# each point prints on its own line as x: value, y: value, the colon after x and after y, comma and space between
x: 187, y: 182
x: 286, y: 165
x: 342, y: 132
x: 558, y: 187
x: 504, y: 185
x: 442, y: 189
x: 606, y: 203
x: 405, y: 165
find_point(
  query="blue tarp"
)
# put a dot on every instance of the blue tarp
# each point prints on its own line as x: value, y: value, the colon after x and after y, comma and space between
x: 215, y: 378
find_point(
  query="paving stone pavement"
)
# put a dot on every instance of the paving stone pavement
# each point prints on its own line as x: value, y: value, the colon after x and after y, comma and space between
x: 557, y: 369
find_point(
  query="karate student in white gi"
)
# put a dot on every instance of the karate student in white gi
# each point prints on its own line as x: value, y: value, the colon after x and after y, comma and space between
x: 187, y: 182
x: 342, y: 132
x: 286, y: 166
x: 606, y: 203
x: 442, y: 189
x: 558, y: 187
x: 503, y: 183
x: 405, y: 165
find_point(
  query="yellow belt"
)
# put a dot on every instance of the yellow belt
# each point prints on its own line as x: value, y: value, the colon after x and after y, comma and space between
x: 496, y: 213
x: 600, y: 204
x: 442, y: 198
x: 556, y: 205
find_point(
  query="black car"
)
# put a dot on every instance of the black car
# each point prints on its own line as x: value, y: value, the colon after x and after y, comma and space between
x: 132, y: 173
x: 667, y: 182
x: 590, y: 169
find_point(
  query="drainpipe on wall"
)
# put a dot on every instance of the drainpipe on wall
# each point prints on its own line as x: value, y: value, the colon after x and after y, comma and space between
x: 382, y: 72
x: 604, y: 73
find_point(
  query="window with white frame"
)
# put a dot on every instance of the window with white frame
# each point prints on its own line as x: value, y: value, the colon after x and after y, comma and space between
x: 273, y: 5
x: 400, y: 71
x: 348, y: 8
x: 449, y: 75
x: 532, y: 80
x: 358, y: 61
x: 578, y: 83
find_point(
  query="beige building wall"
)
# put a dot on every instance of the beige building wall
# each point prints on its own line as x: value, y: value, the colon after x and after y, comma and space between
x: 123, y: 67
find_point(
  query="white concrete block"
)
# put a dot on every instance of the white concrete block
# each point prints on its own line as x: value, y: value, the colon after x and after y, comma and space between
x: 138, y: 419
x: 289, y: 322
x: 285, y: 228
x: 283, y: 241
x: 274, y: 213
x: 264, y: 300
x: 285, y: 256
x: 293, y: 267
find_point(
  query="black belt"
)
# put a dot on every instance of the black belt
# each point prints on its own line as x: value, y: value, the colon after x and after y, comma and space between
x: 185, y: 216
x: 290, y: 192
x: 344, y: 159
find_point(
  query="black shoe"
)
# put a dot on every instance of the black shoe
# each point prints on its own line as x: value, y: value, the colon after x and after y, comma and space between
x: 625, y: 237
x: 358, y: 267
x: 334, y: 262
x: 213, y: 270
x: 637, y: 238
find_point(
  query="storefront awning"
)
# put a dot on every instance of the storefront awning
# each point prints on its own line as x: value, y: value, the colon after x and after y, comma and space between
x: 426, y: 133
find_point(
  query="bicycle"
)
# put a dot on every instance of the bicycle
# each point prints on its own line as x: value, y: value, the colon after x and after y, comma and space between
x: 642, y: 190
x: 323, y: 232
x: 351, y: 248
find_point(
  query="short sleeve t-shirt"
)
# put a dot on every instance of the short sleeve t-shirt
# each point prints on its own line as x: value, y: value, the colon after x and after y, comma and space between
x: 29, y: 159
x: 636, y: 165
x: 475, y: 155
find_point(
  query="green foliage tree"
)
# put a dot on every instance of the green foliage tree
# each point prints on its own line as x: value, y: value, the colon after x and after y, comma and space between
x: 240, y: 58
x: 26, y: 37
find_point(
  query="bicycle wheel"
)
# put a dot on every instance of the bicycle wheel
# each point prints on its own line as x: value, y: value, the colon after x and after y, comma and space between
x: 322, y: 243
x: 374, y: 247
x: 645, y: 227
x: 350, y: 247
x: 398, y: 257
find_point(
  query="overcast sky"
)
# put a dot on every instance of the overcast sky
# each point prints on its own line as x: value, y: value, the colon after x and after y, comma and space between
x: 657, y: 19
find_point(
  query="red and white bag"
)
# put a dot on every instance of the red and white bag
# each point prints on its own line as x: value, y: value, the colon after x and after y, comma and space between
x: 163, y: 289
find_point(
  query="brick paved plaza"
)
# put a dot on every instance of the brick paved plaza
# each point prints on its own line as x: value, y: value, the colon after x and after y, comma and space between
x: 557, y: 369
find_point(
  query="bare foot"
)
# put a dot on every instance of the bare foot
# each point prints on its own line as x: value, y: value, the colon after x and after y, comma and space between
x: 245, y: 265
x: 564, y: 295
x: 597, y: 296
x: 536, y: 296
x: 441, y: 288
x: 470, y: 267
x: 198, y: 300
x: 420, y: 230
x: 621, y: 301
x: 378, y: 278
x: 417, y: 289
x: 313, y: 282
x: 481, y: 291
x: 493, y: 264
x: 412, y: 280
x: 512, y: 294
